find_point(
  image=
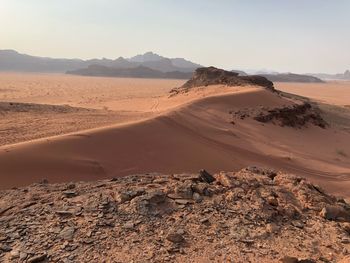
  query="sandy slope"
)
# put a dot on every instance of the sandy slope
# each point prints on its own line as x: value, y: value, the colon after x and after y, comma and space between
x: 96, y: 102
x: 21, y: 122
x: 192, y: 131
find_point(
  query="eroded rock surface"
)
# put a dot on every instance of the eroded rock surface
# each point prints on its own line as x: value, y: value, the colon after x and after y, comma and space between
x: 254, y: 215
x: 296, y: 116
x: 214, y: 76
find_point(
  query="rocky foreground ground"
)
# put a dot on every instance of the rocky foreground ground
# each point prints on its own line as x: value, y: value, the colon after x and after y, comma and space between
x: 254, y: 215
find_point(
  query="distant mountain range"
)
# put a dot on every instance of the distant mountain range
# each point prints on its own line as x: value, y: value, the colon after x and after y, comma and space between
x: 138, y: 72
x: 341, y: 76
x: 284, y: 77
x: 144, y: 65
x: 290, y: 77
x: 11, y: 60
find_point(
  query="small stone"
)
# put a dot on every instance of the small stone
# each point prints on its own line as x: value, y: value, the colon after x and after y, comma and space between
x: 175, y: 238
x: 183, y: 201
x: 272, y: 201
x: 160, y: 181
x: 88, y: 241
x: 180, y: 231
x: 201, y: 188
x: 69, y: 194
x: 272, y: 228
x: 67, y: 233
x: 174, y: 196
x: 29, y: 204
x: 124, y: 197
x: 206, y: 177
x: 197, y: 197
x: 204, y: 220
x: 71, y: 186
x: 346, y: 227
x: 298, y: 224
x: 345, y: 241
x: 5, y: 248
x: 129, y: 195
x: 224, y: 179
x: 150, y: 203
x: 287, y: 259
x: 64, y: 213
x: 23, y: 255
x: 38, y: 258
x: 247, y: 241
x: 184, y: 190
x: 129, y: 225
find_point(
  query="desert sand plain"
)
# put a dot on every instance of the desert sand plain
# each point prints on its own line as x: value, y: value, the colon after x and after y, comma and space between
x: 332, y: 92
x: 139, y: 128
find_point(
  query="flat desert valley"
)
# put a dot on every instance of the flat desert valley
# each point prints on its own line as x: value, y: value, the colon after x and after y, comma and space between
x: 71, y: 128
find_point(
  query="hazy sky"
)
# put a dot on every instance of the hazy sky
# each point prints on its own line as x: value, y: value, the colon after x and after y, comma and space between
x: 284, y: 35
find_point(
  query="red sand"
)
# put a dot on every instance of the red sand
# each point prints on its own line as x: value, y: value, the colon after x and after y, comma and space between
x: 195, y: 134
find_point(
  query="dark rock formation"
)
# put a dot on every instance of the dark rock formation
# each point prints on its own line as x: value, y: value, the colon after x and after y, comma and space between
x: 294, y: 116
x: 214, y: 76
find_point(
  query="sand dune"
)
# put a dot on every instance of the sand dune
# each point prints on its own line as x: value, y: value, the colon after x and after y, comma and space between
x: 188, y: 132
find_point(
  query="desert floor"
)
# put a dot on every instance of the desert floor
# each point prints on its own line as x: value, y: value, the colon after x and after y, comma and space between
x: 333, y: 92
x: 82, y: 103
x: 148, y: 131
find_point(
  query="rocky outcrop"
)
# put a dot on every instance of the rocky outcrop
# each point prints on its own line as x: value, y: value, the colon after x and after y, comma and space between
x: 254, y: 215
x: 293, y: 116
x: 296, y: 116
x: 214, y: 76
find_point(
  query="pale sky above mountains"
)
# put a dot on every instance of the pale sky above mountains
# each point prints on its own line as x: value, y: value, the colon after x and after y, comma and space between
x: 290, y: 35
